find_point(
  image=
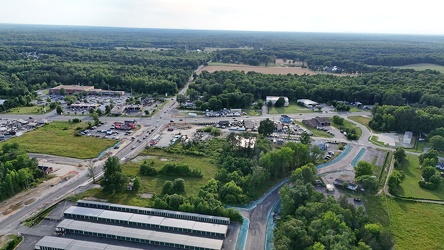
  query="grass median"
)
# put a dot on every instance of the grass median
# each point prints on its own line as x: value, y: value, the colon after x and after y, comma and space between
x: 58, y: 138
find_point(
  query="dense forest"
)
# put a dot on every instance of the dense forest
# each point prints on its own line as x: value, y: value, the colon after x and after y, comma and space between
x: 17, y: 170
x: 406, y: 118
x: 160, y: 61
x: 224, y: 89
x: 309, y: 220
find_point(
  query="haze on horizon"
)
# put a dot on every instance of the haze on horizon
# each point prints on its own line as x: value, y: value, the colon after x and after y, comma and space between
x: 340, y: 16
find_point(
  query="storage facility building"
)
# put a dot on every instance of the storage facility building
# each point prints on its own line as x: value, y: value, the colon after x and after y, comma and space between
x: 146, y: 221
x: 138, y: 235
x: 154, y: 211
x: 51, y: 243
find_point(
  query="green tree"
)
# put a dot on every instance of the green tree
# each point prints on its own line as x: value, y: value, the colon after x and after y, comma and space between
x: 431, y: 154
x: 338, y: 120
x: 95, y: 118
x: 305, y: 138
x: 178, y: 186
x: 59, y: 109
x: 167, y: 187
x: 114, y: 181
x: 437, y: 142
x: 280, y: 102
x: 181, y: 99
x: 399, y: 154
x: 369, y: 183
x: 363, y: 168
x: 62, y: 91
x: 306, y: 173
x: 136, y: 184
x: 395, y: 179
x: 266, y: 127
x: 428, y: 172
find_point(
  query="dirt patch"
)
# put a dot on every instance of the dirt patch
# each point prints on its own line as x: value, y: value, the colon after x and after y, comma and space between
x: 164, y: 159
x: 29, y: 201
x: 142, y: 158
x: 146, y: 195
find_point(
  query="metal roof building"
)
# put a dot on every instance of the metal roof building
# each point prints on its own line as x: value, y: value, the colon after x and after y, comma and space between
x: 138, y: 235
x: 148, y: 221
x: 154, y: 211
x: 51, y: 243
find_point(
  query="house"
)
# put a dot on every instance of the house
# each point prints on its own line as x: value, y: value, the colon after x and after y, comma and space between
x: 273, y: 100
x: 440, y: 165
x: 352, y: 186
x: 407, y: 137
x: 317, y: 122
x: 46, y: 170
x: 2, y: 102
x: 285, y: 118
x: 307, y: 103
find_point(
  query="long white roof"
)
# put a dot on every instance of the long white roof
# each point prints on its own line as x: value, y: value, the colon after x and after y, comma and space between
x: 186, y: 240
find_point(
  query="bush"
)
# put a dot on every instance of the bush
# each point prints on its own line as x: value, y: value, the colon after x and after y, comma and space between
x: 172, y: 169
x: 338, y: 120
x: 148, y: 170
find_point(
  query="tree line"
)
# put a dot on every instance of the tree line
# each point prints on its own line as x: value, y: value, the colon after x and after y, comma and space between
x: 18, y: 171
x: 310, y: 220
x: 234, y: 89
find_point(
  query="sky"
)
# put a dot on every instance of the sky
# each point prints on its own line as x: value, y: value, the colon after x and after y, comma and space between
x: 349, y: 16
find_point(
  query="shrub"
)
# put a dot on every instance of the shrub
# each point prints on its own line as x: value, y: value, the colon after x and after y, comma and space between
x: 172, y: 169
x: 148, y: 170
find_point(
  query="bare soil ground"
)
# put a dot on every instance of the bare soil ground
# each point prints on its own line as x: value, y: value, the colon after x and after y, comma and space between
x: 62, y: 172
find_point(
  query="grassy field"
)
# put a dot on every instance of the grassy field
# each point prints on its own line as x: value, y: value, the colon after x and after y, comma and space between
x: 252, y: 112
x: 317, y: 133
x: 160, y: 158
x: 421, y: 146
x: 416, y: 225
x: 292, y: 108
x: 362, y: 120
x: 57, y: 138
x: 28, y: 110
x: 355, y: 109
x: 348, y: 125
x: 409, y: 186
x: 423, y: 66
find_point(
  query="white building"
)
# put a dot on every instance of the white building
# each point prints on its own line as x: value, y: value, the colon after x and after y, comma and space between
x: 407, y: 137
x: 273, y: 100
x: 307, y: 103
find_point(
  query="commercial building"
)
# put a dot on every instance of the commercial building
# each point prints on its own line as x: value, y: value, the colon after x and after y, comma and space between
x: 273, y: 100
x: 90, y: 90
x: 408, y: 136
x: 137, y: 235
x: 146, y: 221
x: 307, y: 103
x: 56, y: 243
x: 154, y: 211
x: 317, y: 122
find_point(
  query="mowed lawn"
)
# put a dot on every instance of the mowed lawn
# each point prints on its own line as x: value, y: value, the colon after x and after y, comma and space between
x: 362, y: 120
x: 160, y: 158
x: 409, y: 186
x: 416, y: 225
x: 292, y: 108
x: 57, y: 138
x: 348, y: 125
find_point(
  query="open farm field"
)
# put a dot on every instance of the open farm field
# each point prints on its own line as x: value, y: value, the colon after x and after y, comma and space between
x: 416, y: 225
x: 57, y: 138
x: 423, y: 66
x: 409, y: 186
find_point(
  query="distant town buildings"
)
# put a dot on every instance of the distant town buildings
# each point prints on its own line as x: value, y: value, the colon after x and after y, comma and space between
x: 90, y: 90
